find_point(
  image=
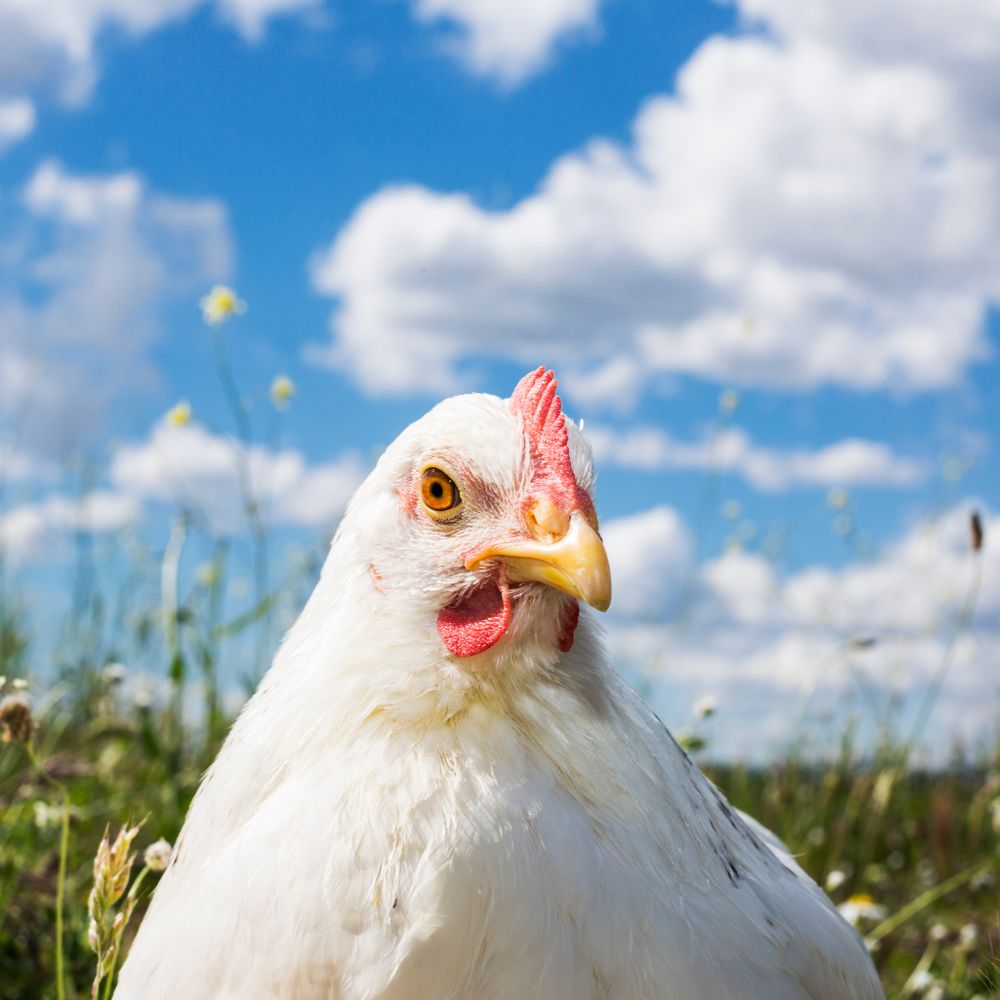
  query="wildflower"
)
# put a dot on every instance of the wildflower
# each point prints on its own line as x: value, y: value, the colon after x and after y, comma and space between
x: 281, y: 392
x: 220, y: 304
x: 835, y: 879
x: 157, y: 855
x: 3, y: 681
x: 920, y: 981
x: 114, y: 673
x: 16, y: 721
x: 837, y: 499
x: 938, y: 932
x: 180, y: 414
x: 46, y: 815
x: 705, y: 706
x: 968, y: 937
x: 19, y: 684
x: 843, y: 524
x: 732, y: 510
x: 729, y: 401
x: 952, y: 468
x: 860, y: 907
x: 112, y: 868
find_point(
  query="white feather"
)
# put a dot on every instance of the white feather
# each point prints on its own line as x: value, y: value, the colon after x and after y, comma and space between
x: 385, y: 821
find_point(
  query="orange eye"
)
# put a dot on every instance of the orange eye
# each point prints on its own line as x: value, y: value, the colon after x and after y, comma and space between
x: 438, y: 491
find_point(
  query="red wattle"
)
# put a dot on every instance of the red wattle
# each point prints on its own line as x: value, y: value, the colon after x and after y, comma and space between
x: 567, y: 625
x: 477, y: 620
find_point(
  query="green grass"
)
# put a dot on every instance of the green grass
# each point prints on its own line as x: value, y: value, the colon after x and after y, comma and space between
x: 898, y: 835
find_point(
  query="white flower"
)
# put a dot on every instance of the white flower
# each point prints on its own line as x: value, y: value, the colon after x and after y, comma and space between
x: 19, y: 684
x: 46, y: 816
x: 968, y: 937
x: 921, y: 980
x: 180, y: 414
x: 157, y: 855
x: 938, y: 932
x: 705, y: 706
x: 282, y: 391
x: 860, y: 907
x: 114, y: 673
x: 220, y: 304
x: 835, y: 879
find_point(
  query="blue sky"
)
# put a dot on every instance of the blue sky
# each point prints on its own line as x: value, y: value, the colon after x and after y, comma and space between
x: 668, y: 202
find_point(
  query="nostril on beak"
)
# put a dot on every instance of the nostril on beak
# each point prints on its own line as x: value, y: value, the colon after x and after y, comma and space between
x: 545, y: 520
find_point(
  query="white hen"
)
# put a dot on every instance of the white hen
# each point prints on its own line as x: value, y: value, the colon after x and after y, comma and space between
x: 443, y: 791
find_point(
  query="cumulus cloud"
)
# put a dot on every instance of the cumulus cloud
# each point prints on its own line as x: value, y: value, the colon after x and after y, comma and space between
x: 650, y: 555
x: 200, y: 470
x: 30, y: 528
x: 508, y: 40
x: 91, y: 261
x: 769, y: 644
x: 803, y: 211
x: 850, y: 462
x: 17, y: 119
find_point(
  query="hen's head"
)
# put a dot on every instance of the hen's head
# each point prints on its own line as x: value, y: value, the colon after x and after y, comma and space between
x: 478, y: 521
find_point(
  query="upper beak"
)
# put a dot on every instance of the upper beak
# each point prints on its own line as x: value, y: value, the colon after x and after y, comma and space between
x: 575, y: 563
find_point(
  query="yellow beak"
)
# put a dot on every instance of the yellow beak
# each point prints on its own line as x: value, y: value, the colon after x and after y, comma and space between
x: 575, y: 563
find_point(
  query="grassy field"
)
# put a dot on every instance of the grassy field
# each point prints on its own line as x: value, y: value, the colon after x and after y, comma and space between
x: 913, y: 856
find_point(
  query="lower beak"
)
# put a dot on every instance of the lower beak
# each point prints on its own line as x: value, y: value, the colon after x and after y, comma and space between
x: 576, y: 563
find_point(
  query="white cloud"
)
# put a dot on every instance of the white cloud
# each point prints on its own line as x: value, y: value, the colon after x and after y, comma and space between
x: 772, y: 645
x: 17, y: 119
x: 18, y: 464
x: 90, y: 262
x: 55, y: 45
x: 28, y: 529
x: 802, y: 212
x: 650, y: 555
x: 251, y: 17
x: 198, y: 469
x: 850, y: 462
x: 509, y: 40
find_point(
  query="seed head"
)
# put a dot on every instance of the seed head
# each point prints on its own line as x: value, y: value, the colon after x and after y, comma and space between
x: 157, y: 855
x: 16, y: 721
x: 976, y: 531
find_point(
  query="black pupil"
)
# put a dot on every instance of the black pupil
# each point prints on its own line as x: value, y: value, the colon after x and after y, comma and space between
x: 437, y: 490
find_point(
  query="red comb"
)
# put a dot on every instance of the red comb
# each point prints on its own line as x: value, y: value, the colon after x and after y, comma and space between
x: 537, y: 404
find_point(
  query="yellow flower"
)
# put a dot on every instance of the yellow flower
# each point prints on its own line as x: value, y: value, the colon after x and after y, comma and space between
x: 282, y: 390
x: 179, y: 415
x: 220, y: 304
x: 729, y: 401
x: 837, y: 498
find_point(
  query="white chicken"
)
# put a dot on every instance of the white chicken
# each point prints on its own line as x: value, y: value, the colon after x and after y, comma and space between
x: 443, y: 791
